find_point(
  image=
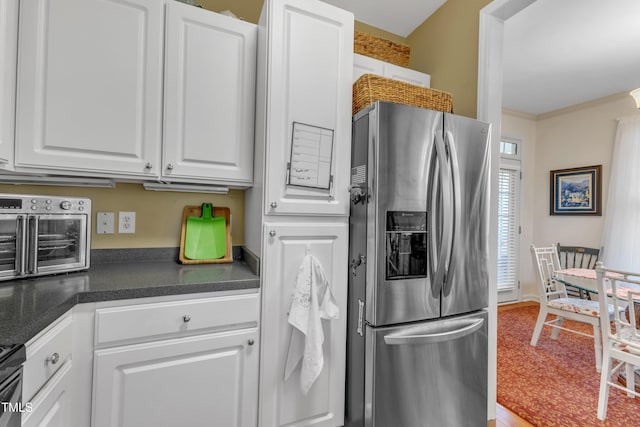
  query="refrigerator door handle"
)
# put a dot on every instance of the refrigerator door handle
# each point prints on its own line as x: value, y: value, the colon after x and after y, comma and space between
x: 461, y: 329
x: 457, y: 205
x: 432, y: 207
x: 445, y: 209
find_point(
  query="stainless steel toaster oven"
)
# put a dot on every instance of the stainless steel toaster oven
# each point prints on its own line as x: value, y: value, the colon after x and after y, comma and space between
x: 43, y: 235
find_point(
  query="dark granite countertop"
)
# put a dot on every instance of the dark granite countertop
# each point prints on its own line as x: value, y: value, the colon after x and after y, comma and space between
x: 27, y: 306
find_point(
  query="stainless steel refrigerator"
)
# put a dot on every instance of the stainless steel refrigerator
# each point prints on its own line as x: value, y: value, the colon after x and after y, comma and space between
x: 418, y: 282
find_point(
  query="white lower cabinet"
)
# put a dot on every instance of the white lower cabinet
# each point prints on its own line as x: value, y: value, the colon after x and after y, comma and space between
x: 47, y: 376
x: 195, y: 381
x: 51, y: 407
x: 282, y: 402
x: 202, y: 372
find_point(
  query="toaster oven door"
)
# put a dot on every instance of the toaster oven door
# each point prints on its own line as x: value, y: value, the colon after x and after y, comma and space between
x: 12, y: 245
x: 57, y: 243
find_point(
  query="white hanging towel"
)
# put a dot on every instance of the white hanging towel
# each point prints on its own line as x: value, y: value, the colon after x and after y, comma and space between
x: 312, y: 301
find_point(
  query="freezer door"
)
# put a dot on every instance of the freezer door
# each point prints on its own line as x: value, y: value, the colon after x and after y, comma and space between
x: 466, y: 284
x: 401, y: 156
x: 428, y: 374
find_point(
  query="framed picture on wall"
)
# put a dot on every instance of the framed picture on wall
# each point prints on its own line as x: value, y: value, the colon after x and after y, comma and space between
x: 576, y: 191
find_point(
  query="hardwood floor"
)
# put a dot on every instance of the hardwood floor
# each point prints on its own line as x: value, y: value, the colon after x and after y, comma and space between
x: 506, y: 418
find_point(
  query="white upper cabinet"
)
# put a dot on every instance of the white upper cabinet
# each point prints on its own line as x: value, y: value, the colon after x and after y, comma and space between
x: 8, y: 49
x: 90, y: 85
x: 305, y: 103
x: 365, y: 65
x: 96, y: 77
x: 209, y: 96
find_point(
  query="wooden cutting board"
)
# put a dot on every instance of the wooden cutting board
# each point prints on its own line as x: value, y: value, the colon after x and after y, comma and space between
x: 197, y: 211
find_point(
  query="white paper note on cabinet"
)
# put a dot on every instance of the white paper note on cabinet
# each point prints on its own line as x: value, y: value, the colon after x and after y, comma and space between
x: 311, y: 155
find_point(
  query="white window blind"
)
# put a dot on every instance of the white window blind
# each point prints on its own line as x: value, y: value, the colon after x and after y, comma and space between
x: 508, y: 233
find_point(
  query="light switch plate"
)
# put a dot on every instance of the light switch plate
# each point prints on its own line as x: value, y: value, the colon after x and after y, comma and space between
x: 104, y: 223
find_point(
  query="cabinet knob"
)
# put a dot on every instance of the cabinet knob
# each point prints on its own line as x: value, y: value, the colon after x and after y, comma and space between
x: 274, y: 205
x: 186, y: 318
x: 148, y: 166
x: 272, y: 233
x: 169, y: 167
x: 251, y: 341
x: 53, y: 359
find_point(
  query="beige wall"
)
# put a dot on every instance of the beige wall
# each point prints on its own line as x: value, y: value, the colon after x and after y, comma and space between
x: 446, y: 47
x: 158, y: 214
x: 249, y: 10
x: 582, y: 135
x: 579, y: 136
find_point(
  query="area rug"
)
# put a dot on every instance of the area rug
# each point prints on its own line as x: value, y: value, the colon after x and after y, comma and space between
x: 555, y: 383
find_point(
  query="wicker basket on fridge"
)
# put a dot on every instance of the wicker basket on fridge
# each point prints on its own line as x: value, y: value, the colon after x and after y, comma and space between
x: 385, y: 50
x: 370, y: 88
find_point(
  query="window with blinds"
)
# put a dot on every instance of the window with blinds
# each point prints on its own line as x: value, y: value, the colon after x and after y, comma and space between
x: 508, y: 220
x: 508, y: 242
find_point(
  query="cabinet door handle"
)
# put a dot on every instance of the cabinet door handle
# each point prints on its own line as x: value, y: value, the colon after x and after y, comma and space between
x: 251, y: 341
x: 274, y: 205
x: 53, y: 359
x: 272, y: 233
x: 186, y: 318
x: 170, y: 167
x: 148, y: 166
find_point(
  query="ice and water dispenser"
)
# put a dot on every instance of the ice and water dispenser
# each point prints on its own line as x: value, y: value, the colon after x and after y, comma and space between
x: 406, y: 247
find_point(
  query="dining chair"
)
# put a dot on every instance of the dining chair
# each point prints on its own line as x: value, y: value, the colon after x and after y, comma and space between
x: 620, y: 337
x: 577, y: 257
x: 554, y: 301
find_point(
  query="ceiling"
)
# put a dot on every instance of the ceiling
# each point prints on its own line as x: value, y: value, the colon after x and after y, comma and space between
x: 556, y: 53
x: 562, y: 53
x: 399, y: 17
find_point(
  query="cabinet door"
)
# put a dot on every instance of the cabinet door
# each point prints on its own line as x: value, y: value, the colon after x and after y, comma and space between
x: 282, y: 402
x: 309, y: 72
x: 209, y: 96
x: 51, y: 407
x: 407, y: 75
x: 90, y: 86
x: 197, y: 381
x: 8, y: 55
x: 365, y: 65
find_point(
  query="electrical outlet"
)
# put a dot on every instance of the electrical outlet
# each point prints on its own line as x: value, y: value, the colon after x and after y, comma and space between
x: 126, y: 222
x: 104, y: 223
